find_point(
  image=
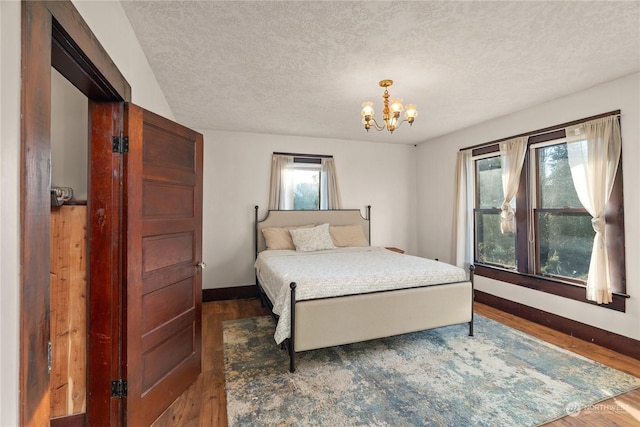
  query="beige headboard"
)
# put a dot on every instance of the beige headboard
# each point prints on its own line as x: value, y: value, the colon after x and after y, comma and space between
x: 289, y: 218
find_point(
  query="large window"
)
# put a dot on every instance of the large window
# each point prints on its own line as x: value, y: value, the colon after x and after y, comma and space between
x: 550, y: 248
x: 563, y: 230
x: 492, y: 247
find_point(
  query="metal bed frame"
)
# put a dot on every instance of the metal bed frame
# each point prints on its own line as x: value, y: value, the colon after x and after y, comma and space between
x: 290, y: 343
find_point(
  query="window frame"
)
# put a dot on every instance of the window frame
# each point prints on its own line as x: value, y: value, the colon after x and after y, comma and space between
x: 480, y: 210
x: 535, y: 200
x: 525, y: 273
x: 310, y: 159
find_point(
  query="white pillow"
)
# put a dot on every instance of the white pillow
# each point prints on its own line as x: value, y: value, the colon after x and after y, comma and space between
x: 312, y: 239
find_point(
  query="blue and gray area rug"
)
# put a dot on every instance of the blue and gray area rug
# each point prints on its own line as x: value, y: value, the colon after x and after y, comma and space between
x: 442, y: 377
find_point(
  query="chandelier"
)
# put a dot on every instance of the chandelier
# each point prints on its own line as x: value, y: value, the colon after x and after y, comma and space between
x: 390, y: 113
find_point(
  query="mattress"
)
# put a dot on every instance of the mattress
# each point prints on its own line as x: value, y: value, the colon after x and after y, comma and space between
x: 343, y: 271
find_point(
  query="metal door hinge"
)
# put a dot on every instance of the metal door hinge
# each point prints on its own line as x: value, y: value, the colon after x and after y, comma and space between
x: 119, y: 388
x: 49, y: 355
x: 120, y: 144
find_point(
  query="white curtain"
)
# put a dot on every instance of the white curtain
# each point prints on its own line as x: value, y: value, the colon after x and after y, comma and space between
x: 512, y: 154
x: 281, y: 186
x: 594, y: 152
x: 463, y: 214
x: 330, y: 197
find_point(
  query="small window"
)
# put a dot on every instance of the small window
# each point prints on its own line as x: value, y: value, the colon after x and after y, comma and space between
x: 306, y: 186
x: 303, y: 182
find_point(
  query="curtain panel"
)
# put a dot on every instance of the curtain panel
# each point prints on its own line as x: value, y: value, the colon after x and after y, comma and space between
x: 330, y: 197
x: 594, y: 149
x: 463, y: 210
x: 512, y: 153
x: 281, y: 183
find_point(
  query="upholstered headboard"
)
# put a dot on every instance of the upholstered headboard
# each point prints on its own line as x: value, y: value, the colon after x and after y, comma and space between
x: 294, y: 218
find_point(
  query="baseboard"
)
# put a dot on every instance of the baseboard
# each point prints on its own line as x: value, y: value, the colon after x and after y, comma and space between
x: 78, y: 420
x: 221, y: 294
x: 619, y: 343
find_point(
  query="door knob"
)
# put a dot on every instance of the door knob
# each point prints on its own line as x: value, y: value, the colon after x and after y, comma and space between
x: 201, y: 264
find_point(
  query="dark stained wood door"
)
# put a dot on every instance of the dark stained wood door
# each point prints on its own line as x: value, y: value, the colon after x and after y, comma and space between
x: 162, y: 272
x: 145, y: 286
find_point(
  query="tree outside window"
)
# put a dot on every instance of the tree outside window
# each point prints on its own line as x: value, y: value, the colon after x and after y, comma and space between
x: 306, y: 187
x: 564, y: 234
x: 492, y: 247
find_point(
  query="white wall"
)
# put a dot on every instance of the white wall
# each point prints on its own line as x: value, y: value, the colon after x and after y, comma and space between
x: 69, y: 136
x: 436, y: 165
x: 113, y: 30
x: 236, y: 178
x: 9, y: 209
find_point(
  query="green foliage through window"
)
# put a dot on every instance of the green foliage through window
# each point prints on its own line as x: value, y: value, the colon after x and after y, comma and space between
x: 306, y: 188
x: 492, y: 247
x: 564, y: 232
x: 563, y: 235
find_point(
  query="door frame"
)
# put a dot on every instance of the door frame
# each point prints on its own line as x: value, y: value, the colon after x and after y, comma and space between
x: 52, y: 34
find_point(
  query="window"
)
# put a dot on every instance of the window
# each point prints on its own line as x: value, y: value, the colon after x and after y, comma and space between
x: 303, y: 182
x: 492, y: 247
x: 563, y: 230
x: 305, y: 179
x: 550, y: 248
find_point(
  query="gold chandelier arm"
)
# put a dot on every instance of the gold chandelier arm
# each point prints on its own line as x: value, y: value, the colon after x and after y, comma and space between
x: 401, y: 122
x: 376, y: 126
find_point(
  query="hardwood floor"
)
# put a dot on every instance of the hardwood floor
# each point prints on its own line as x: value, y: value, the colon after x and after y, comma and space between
x: 203, y: 404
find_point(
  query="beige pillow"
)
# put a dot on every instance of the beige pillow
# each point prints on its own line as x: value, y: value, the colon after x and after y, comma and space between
x: 279, y: 237
x: 348, y: 235
x: 312, y: 239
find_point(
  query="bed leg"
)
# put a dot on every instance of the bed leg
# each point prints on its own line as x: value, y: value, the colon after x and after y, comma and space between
x: 259, y: 293
x: 292, y: 342
x: 292, y: 359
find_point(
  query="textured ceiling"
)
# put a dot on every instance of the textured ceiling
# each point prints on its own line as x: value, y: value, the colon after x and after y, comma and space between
x: 304, y: 68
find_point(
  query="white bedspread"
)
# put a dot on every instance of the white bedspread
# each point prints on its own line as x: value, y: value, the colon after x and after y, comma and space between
x: 344, y: 271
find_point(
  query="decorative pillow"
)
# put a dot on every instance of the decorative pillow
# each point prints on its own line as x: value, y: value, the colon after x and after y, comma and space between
x: 279, y: 237
x: 312, y: 239
x: 348, y: 235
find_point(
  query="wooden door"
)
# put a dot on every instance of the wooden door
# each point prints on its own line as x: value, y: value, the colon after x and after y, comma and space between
x: 146, y: 231
x: 163, y: 205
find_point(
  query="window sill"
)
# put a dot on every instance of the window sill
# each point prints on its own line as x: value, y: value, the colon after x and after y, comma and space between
x: 548, y: 285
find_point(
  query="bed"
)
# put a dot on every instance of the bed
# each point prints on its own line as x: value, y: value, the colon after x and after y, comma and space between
x: 339, y: 290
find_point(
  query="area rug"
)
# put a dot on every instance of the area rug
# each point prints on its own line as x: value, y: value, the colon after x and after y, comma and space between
x: 441, y: 377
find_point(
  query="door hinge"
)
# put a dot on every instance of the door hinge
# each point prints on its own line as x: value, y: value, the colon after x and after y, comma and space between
x: 49, y: 355
x: 120, y: 144
x: 119, y: 388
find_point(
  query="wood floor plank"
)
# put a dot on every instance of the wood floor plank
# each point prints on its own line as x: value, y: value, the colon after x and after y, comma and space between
x: 204, y: 403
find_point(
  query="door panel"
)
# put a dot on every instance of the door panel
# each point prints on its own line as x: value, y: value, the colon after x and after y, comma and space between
x: 156, y: 194
x: 163, y: 204
x: 160, y: 252
x: 167, y: 302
